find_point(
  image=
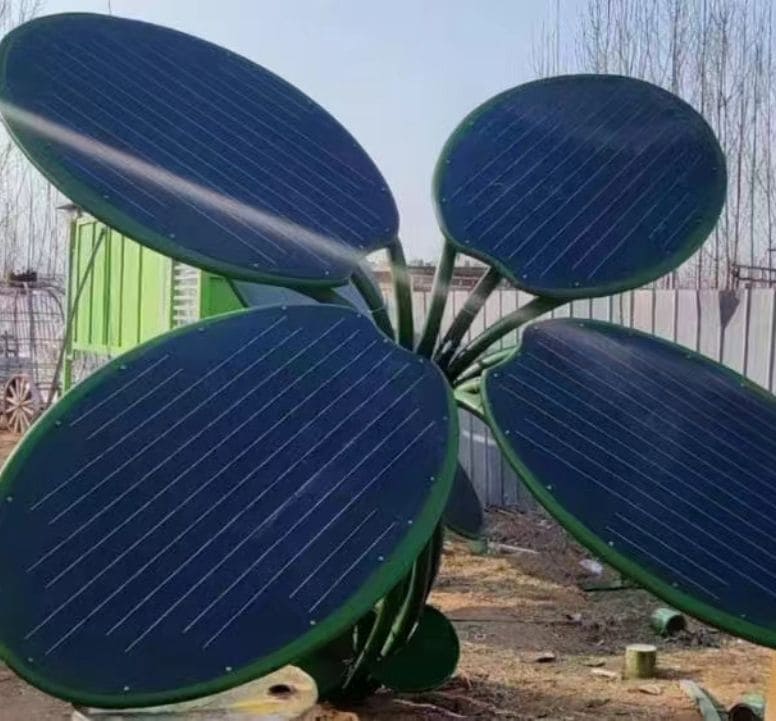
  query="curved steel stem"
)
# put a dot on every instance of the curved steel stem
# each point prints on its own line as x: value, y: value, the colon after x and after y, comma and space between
x: 402, y: 288
x: 442, y: 277
x: 73, y: 310
x: 374, y: 300
x: 515, y: 319
x: 479, y: 294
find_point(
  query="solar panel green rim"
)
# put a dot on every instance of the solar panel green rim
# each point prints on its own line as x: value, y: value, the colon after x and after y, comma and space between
x: 388, y: 575
x: 693, y: 240
x: 37, y: 145
x: 673, y: 596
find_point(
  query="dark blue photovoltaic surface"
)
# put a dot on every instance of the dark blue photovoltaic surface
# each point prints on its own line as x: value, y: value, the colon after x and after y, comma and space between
x: 257, y: 295
x: 581, y: 185
x: 215, y: 497
x: 463, y: 513
x: 666, y: 458
x: 192, y: 150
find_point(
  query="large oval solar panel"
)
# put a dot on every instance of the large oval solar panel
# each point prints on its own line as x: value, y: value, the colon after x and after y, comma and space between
x: 659, y: 460
x: 217, y: 503
x: 581, y: 185
x: 193, y: 150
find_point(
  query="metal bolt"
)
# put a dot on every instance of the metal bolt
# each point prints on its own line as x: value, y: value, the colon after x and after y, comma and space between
x: 126, y: 688
x: 312, y: 622
x: 611, y: 544
x: 228, y: 669
x: 431, y: 478
x: 122, y: 367
x: 57, y: 423
x: 9, y: 499
x: 409, y: 523
x: 381, y: 558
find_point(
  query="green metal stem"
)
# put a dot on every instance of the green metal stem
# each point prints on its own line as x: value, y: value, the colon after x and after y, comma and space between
x: 402, y: 288
x: 510, y: 322
x: 73, y: 309
x: 474, y: 370
x: 67, y: 357
x: 442, y: 277
x: 470, y: 386
x: 480, y: 293
x: 471, y: 402
x: 415, y: 599
x: 374, y: 299
x: 384, y: 620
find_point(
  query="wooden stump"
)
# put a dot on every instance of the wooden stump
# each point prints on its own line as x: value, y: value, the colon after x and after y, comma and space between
x: 640, y: 661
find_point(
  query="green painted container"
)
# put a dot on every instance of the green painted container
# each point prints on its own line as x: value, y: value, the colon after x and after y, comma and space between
x: 131, y: 294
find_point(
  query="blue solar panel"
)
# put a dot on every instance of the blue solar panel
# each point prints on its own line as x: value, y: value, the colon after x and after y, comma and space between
x: 217, y: 495
x: 256, y: 295
x: 193, y: 150
x: 463, y: 513
x: 658, y: 459
x: 581, y: 185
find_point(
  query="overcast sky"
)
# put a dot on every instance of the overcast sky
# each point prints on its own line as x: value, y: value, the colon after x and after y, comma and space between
x: 399, y: 75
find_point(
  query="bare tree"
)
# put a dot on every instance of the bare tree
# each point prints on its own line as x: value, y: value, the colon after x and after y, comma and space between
x: 717, y: 55
x: 31, y: 235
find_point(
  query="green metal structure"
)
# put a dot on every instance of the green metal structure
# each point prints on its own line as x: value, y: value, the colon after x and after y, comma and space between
x: 130, y: 294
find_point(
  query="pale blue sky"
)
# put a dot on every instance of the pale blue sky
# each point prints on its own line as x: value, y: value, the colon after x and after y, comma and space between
x: 399, y: 75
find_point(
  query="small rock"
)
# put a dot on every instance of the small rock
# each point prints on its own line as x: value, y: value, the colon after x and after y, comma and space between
x: 595, y: 662
x: 592, y: 566
x: 574, y: 617
x: 596, y: 702
x: 605, y: 673
x: 650, y: 688
x: 546, y: 657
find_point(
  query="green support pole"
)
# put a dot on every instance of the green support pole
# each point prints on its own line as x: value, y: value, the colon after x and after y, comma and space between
x: 72, y: 310
x: 510, y: 322
x: 402, y: 287
x: 442, y: 277
x: 487, y: 361
x: 374, y: 299
x: 480, y: 293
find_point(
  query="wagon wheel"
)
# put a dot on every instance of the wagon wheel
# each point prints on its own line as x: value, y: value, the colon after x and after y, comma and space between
x: 22, y: 403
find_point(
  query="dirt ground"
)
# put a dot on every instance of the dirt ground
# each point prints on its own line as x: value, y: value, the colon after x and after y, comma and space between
x: 510, y: 609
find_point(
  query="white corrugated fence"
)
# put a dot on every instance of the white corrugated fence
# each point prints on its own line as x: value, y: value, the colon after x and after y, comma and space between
x: 737, y: 328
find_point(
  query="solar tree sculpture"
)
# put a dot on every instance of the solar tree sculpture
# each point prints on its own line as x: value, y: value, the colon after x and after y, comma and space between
x: 269, y: 486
